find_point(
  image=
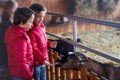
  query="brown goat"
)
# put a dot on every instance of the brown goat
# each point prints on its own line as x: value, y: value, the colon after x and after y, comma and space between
x: 105, y: 70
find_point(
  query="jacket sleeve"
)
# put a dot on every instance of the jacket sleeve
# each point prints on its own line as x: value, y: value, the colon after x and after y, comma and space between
x: 36, y: 52
x: 20, y: 57
x: 48, y: 43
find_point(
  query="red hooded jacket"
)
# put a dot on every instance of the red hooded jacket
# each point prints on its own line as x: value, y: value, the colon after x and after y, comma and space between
x: 20, y: 53
x: 40, y: 44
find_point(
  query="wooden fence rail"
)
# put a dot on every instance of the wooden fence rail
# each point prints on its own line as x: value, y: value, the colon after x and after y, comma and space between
x: 56, y: 73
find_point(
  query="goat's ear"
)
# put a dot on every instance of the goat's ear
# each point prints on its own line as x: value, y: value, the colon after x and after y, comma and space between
x: 69, y: 53
x: 70, y: 57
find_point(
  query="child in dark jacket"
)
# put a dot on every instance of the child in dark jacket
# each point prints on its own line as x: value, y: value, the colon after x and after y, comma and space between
x: 20, y: 52
x: 6, y: 21
x: 40, y: 42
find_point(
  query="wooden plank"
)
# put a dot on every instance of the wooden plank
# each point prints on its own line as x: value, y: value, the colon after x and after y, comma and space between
x: 68, y: 74
x: 57, y: 69
x: 75, y: 75
x: 62, y: 74
x: 48, y: 67
x: 48, y: 72
x: 57, y: 73
x: 52, y: 68
x: 102, y: 78
x: 93, y: 76
x: 79, y: 75
x: 84, y: 74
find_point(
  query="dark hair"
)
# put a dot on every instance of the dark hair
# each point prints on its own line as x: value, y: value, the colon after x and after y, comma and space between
x: 9, y: 4
x: 38, y: 8
x: 22, y: 15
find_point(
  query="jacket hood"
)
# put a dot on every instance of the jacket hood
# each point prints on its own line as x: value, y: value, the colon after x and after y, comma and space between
x: 13, y: 33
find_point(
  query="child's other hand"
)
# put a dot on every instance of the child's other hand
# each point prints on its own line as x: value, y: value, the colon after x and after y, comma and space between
x: 48, y: 63
x: 53, y: 44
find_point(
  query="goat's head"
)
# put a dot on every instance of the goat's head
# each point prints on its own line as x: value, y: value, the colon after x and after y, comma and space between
x: 73, y: 60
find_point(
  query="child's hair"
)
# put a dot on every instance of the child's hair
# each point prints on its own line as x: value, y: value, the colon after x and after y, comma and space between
x: 38, y: 8
x: 9, y: 4
x: 22, y: 15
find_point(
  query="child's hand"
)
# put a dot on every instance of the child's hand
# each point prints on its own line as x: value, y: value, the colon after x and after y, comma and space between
x: 53, y: 44
x: 48, y: 63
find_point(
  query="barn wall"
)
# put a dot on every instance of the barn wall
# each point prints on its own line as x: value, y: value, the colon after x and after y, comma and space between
x: 60, y: 6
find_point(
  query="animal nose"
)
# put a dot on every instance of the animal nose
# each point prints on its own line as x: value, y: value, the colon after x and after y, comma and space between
x: 57, y: 64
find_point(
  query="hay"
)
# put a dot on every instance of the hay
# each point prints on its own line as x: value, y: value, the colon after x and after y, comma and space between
x: 107, y: 41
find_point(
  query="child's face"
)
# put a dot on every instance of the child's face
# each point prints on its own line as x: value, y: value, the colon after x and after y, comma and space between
x: 29, y: 23
x: 39, y: 17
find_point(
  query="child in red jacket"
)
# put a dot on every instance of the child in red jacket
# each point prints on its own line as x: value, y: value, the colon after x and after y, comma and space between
x: 20, y: 52
x: 40, y: 42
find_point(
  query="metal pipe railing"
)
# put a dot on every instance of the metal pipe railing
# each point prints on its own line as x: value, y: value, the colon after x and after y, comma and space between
x: 89, y: 20
x: 75, y: 33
